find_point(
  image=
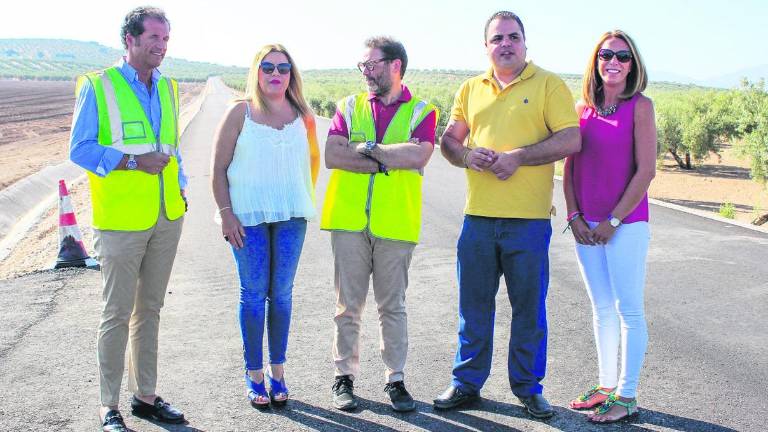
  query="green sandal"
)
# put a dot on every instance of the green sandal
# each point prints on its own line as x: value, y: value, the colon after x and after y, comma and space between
x: 587, y: 397
x: 612, y: 400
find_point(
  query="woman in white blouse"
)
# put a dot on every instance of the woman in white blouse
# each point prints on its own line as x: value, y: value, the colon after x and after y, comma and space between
x: 265, y: 164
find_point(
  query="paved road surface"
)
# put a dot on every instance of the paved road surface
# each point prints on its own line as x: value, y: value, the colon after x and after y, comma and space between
x: 706, y: 368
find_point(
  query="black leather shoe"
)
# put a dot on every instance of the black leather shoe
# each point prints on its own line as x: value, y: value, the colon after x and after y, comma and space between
x: 159, y: 410
x: 343, y: 393
x: 402, y: 401
x: 453, y: 397
x: 537, y: 406
x: 113, y: 422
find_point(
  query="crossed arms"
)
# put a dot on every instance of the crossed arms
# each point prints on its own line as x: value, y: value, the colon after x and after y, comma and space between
x: 342, y: 154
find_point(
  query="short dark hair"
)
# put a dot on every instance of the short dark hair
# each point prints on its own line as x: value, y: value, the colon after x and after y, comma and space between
x: 391, y: 48
x: 503, y: 15
x: 134, y: 21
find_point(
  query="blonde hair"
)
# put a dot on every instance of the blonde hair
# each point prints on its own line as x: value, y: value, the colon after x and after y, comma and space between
x: 294, y: 93
x: 592, y: 84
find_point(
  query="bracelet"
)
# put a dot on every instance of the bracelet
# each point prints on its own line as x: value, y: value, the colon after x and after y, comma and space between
x: 573, y: 215
x: 224, y: 208
x: 467, y: 151
x: 383, y: 168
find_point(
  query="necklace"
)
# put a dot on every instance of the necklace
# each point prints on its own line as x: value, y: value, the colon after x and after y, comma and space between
x: 605, y: 112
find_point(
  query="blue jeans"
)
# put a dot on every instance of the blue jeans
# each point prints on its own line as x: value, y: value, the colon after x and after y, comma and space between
x: 266, y: 265
x: 517, y: 249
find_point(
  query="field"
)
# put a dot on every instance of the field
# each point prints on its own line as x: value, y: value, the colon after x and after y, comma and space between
x: 34, y: 126
x: 35, y: 122
x: 61, y: 59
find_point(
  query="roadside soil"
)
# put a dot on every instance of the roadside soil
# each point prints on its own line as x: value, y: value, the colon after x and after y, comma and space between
x: 34, y: 126
x: 32, y: 137
x: 35, y: 121
x: 719, y: 180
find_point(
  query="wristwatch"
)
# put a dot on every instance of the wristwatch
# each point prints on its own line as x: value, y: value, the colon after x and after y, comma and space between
x: 369, y: 146
x: 614, y: 221
x: 131, y: 164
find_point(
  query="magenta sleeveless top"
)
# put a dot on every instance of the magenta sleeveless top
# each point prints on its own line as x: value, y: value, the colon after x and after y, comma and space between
x: 606, y: 163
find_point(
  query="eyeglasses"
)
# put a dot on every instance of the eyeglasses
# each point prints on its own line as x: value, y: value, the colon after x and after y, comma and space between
x: 268, y: 68
x: 370, y: 64
x: 623, y: 56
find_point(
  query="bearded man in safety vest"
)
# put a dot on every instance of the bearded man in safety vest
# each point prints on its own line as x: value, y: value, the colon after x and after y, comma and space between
x: 125, y: 134
x: 377, y: 146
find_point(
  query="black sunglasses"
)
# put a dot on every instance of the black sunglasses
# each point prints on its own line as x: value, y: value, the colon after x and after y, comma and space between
x: 268, y: 68
x: 623, y: 56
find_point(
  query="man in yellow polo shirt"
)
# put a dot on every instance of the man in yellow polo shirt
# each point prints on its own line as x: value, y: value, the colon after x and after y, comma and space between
x: 518, y: 119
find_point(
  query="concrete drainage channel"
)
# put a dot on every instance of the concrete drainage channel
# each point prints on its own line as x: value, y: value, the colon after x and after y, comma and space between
x: 26, y: 201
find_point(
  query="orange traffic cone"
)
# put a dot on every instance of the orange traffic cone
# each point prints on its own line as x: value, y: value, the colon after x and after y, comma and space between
x: 71, y: 250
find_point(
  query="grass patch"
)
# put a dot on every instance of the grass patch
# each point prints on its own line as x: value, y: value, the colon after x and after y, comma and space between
x: 727, y: 210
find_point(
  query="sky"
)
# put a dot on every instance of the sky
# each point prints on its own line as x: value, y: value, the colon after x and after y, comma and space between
x: 695, y: 39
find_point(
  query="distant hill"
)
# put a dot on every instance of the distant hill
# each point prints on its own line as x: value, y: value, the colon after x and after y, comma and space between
x: 62, y: 59
x: 670, y: 77
x: 734, y: 79
x: 726, y: 81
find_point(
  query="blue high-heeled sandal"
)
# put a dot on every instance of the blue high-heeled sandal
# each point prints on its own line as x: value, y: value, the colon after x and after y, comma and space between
x: 277, y: 388
x: 255, y: 390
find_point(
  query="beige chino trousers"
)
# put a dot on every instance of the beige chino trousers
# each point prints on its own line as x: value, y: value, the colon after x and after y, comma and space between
x: 357, y: 256
x: 135, y: 269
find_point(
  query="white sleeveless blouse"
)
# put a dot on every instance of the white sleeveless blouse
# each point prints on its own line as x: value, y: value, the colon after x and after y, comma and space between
x: 269, y: 176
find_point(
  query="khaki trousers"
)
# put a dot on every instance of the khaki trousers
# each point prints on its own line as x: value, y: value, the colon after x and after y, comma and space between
x: 135, y: 269
x: 357, y: 256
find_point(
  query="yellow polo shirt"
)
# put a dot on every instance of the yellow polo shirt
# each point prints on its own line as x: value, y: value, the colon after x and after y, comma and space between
x: 527, y: 111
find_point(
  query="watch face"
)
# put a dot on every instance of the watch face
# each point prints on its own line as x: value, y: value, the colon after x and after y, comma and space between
x: 615, y: 222
x: 369, y: 145
x: 131, y: 164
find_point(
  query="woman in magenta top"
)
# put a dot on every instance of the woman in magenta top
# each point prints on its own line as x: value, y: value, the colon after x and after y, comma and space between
x: 606, y: 192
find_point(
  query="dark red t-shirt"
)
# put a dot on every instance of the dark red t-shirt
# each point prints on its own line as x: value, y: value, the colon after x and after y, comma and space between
x: 382, y: 116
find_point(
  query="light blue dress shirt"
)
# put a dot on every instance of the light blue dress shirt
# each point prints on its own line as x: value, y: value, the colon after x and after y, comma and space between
x: 84, y: 147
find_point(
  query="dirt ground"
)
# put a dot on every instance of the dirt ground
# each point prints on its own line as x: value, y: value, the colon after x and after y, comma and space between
x: 717, y: 181
x: 34, y: 126
x: 35, y: 121
x: 32, y: 137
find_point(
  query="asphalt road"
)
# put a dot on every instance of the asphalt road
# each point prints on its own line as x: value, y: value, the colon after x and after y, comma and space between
x: 706, y: 367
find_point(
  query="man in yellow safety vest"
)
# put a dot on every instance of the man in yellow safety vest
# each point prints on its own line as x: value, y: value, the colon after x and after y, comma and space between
x: 125, y: 134
x: 377, y: 146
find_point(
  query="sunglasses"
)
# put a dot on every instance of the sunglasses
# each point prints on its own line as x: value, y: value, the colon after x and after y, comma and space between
x: 623, y: 56
x: 268, y: 68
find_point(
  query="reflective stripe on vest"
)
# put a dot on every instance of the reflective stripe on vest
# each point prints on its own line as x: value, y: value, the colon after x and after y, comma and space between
x: 130, y: 200
x: 388, y: 206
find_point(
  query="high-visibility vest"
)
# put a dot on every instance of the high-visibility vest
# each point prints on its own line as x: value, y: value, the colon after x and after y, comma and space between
x: 129, y: 200
x: 388, y: 206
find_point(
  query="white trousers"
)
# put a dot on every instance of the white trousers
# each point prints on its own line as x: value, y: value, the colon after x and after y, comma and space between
x: 614, y: 275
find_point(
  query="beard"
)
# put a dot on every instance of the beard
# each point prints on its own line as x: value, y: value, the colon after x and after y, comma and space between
x: 382, y: 85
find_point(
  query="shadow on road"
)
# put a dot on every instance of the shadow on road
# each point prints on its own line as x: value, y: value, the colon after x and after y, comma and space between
x: 184, y: 427
x: 425, y: 417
